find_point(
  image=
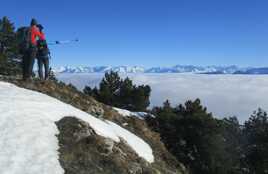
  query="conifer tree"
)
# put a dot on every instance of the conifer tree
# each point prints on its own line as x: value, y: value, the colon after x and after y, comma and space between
x: 87, y: 90
x: 141, y: 97
x: 121, y: 93
x: 125, y: 94
x: 256, y: 146
x: 109, y: 88
x: 231, y: 131
x: 7, y: 35
x: 9, y: 62
x: 193, y: 136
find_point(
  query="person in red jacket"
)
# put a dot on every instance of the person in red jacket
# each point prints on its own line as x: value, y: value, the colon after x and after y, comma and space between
x: 35, y: 34
x: 42, y: 55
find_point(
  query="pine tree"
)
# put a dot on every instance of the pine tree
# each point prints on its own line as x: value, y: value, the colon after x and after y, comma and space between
x: 125, y: 99
x: 256, y: 146
x: 193, y: 136
x: 87, y: 90
x: 9, y: 63
x: 141, y: 97
x: 7, y: 35
x: 109, y: 88
x: 121, y: 93
x: 232, y: 134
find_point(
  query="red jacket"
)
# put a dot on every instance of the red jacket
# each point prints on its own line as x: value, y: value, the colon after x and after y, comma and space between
x: 42, y: 36
x: 35, y: 33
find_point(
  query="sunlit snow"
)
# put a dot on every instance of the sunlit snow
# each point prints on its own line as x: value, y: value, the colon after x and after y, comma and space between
x: 28, y: 142
x: 127, y: 113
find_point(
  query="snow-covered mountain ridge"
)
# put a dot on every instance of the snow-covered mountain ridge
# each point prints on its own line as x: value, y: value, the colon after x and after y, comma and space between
x: 139, y: 69
x: 173, y: 69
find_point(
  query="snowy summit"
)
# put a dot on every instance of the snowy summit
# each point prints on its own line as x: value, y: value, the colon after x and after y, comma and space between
x: 28, y: 142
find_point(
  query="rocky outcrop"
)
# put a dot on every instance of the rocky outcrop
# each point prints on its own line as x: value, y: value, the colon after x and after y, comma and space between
x: 165, y: 163
x: 82, y: 151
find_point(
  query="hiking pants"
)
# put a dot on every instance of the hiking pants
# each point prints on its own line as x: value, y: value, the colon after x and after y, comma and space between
x: 28, y: 62
x: 43, y: 61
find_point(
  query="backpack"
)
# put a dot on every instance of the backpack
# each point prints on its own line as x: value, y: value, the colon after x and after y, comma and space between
x: 23, y: 37
x: 42, y: 47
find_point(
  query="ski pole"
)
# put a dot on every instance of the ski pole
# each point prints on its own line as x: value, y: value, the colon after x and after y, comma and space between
x: 62, y: 42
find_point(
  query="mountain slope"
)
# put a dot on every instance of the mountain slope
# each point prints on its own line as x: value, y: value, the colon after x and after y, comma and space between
x: 38, y: 110
x: 31, y: 120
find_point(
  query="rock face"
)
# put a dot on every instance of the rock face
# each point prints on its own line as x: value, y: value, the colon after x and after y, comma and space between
x: 165, y: 163
x: 82, y: 151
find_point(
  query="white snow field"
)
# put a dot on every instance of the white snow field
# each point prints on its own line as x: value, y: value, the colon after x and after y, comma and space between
x: 223, y: 95
x: 28, y: 142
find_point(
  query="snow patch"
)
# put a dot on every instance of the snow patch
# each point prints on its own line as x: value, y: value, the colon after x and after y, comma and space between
x: 137, y: 144
x: 28, y: 144
x: 127, y: 113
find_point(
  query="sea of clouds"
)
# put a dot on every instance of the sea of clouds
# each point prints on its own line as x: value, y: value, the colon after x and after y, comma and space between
x: 223, y: 95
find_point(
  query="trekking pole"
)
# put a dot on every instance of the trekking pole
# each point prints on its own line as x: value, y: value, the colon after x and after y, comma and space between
x: 50, y: 66
x: 63, y: 42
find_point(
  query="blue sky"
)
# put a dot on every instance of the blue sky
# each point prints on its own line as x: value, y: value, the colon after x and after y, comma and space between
x: 150, y: 32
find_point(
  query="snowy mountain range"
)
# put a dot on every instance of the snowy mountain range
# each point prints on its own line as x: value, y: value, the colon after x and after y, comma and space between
x: 173, y: 69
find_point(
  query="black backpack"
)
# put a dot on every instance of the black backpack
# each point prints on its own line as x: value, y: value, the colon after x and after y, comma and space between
x: 24, y: 39
x: 42, y: 47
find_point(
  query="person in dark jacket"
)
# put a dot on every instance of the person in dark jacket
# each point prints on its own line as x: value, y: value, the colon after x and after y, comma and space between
x: 42, y: 55
x: 30, y: 53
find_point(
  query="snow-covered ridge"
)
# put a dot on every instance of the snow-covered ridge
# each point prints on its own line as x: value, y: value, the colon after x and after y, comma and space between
x: 138, y: 69
x: 99, y: 69
x: 28, y: 144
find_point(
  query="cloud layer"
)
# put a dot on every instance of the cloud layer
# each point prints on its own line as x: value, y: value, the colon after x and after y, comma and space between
x: 223, y: 95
